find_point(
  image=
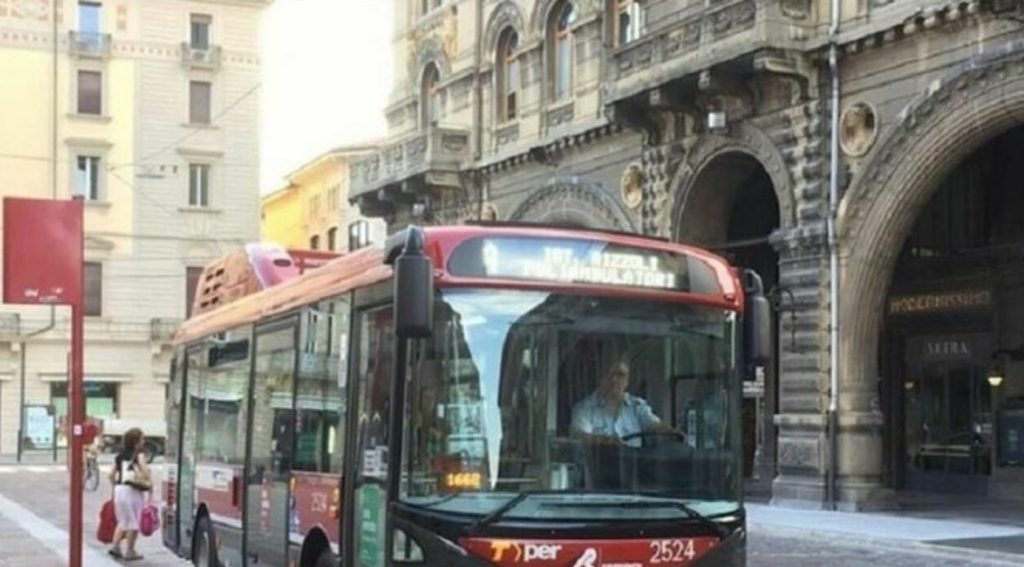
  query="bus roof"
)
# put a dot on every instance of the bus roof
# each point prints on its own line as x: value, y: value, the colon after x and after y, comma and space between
x: 445, y: 245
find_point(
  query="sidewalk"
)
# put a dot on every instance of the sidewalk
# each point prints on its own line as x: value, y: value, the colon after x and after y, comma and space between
x: 1000, y: 542
x: 34, y: 522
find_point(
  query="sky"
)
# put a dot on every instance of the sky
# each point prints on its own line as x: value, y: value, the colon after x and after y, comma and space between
x: 326, y: 79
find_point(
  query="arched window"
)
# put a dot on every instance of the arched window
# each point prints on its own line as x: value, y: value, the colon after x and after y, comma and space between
x: 508, y: 76
x: 430, y: 96
x: 561, y: 40
x: 628, y: 18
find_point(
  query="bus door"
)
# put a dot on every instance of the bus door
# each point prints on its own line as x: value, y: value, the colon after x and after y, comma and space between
x: 375, y: 353
x: 186, y: 506
x: 268, y: 504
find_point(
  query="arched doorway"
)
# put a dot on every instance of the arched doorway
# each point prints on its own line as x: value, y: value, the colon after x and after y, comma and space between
x: 955, y: 317
x: 944, y: 126
x: 731, y: 206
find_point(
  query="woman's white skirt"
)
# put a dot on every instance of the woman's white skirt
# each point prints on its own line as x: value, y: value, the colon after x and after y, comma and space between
x: 128, y: 504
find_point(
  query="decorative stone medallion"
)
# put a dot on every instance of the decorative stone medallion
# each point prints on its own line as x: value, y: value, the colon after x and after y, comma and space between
x: 858, y: 129
x: 632, y: 186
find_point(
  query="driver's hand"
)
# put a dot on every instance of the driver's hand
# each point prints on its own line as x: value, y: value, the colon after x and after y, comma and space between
x: 611, y: 440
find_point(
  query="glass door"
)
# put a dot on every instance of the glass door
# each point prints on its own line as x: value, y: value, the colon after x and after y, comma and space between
x: 947, y: 430
x: 268, y: 506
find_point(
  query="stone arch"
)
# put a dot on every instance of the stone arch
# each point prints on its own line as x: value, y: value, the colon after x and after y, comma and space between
x: 542, y: 13
x: 430, y: 51
x: 505, y: 15
x: 573, y: 202
x: 748, y: 142
x: 979, y: 100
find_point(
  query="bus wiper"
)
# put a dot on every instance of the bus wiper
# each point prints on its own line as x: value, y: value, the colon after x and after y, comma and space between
x: 693, y: 514
x: 505, y: 508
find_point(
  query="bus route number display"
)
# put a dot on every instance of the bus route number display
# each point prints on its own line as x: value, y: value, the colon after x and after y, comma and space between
x: 574, y: 261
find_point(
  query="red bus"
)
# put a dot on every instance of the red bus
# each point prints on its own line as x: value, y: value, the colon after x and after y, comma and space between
x: 473, y: 395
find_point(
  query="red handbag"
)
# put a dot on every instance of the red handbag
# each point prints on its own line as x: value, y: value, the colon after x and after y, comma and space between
x: 108, y: 522
x: 149, y: 522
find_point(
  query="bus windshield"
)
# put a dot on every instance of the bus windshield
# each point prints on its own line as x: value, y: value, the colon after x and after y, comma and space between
x: 544, y: 406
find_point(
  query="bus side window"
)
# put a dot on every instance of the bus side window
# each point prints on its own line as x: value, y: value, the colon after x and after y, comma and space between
x: 320, y: 402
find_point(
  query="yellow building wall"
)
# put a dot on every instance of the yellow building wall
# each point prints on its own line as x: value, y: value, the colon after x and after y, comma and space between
x: 303, y: 209
x: 281, y: 219
x: 25, y: 158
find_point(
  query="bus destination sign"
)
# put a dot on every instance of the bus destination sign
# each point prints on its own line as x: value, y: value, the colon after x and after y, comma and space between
x: 580, y: 262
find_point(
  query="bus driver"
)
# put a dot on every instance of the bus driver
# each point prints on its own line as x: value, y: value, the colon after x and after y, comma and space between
x: 609, y: 414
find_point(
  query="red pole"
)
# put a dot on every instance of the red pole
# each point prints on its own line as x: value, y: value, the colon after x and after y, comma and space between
x: 77, y: 403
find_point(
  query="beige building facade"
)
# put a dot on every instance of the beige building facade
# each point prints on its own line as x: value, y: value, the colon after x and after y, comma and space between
x: 857, y: 153
x: 149, y: 110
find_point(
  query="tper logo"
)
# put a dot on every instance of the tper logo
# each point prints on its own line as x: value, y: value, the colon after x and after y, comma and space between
x: 588, y: 559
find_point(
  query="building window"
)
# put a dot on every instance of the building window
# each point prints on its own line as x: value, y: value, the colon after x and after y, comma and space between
x: 629, y: 21
x: 427, y: 5
x: 314, y: 242
x: 332, y: 238
x: 93, y: 294
x: 199, y: 98
x: 508, y: 75
x: 314, y: 207
x: 431, y: 96
x: 87, y: 178
x: 199, y: 31
x: 90, y: 16
x: 198, y: 185
x: 332, y: 198
x: 90, y: 92
x: 192, y: 276
x: 358, y: 235
x: 562, y: 40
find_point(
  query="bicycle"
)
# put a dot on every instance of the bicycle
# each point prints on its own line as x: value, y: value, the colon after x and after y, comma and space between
x: 91, y: 480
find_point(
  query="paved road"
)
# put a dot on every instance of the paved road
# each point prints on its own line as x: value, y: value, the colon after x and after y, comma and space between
x: 775, y: 551
x: 33, y: 519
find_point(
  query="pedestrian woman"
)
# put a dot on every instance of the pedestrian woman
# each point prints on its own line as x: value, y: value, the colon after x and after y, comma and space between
x: 131, y: 479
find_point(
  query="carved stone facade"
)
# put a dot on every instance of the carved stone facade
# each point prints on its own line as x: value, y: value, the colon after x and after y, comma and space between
x: 718, y: 109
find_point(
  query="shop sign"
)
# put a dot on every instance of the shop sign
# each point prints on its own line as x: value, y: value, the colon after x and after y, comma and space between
x: 923, y: 304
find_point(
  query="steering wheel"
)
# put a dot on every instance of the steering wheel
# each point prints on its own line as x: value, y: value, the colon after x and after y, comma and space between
x: 671, y: 434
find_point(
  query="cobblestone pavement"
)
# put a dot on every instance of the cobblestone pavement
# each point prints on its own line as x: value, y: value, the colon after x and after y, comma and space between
x: 40, y: 491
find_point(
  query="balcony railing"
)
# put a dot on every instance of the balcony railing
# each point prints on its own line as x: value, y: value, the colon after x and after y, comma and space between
x: 200, y: 57
x: 163, y: 330
x: 434, y: 153
x: 89, y: 44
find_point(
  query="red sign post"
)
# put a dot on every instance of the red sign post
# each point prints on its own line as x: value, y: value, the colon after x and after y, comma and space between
x: 43, y: 255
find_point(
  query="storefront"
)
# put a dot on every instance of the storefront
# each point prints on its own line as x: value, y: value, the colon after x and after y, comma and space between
x: 953, y: 349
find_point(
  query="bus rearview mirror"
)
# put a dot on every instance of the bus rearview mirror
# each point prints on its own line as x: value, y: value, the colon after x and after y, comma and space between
x: 414, y: 288
x: 758, y: 340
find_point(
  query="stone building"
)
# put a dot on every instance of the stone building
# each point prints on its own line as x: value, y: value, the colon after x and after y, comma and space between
x: 712, y: 122
x: 150, y: 112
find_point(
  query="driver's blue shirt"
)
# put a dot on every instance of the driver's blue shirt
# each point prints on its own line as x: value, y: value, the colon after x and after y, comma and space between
x: 592, y: 416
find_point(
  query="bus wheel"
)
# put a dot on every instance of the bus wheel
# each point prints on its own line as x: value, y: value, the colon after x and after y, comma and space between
x: 204, y: 550
x: 327, y: 559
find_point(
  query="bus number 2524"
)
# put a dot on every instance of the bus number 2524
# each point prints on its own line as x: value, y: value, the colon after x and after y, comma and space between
x: 669, y: 551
